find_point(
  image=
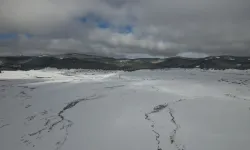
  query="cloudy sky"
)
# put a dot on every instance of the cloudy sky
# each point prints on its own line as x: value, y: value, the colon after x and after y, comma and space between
x: 125, y: 27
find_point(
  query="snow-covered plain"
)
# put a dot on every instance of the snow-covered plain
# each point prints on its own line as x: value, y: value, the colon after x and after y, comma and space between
x: 172, y: 109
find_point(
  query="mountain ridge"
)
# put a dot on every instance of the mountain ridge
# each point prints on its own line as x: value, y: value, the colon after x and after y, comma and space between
x: 84, y: 61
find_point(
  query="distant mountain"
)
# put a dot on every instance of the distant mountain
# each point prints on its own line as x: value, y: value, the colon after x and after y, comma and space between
x: 81, y: 61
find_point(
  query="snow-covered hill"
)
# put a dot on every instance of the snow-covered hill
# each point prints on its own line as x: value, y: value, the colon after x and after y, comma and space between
x: 173, y: 109
x: 81, y: 61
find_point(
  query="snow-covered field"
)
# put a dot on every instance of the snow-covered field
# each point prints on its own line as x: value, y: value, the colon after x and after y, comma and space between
x: 173, y: 109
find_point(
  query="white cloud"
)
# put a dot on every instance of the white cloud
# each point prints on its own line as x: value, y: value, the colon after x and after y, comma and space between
x: 161, y: 27
x: 131, y: 40
x: 64, y: 44
x: 38, y: 16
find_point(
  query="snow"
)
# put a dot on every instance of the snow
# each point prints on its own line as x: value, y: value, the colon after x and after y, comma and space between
x: 174, y: 109
x: 192, y: 55
x: 231, y: 58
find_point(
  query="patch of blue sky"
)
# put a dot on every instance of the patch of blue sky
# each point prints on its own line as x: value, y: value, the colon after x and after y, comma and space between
x: 28, y: 35
x: 8, y: 36
x: 11, y: 36
x: 126, y: 29
x: 105, y: 24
